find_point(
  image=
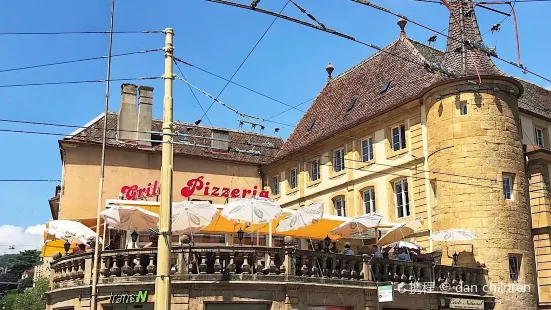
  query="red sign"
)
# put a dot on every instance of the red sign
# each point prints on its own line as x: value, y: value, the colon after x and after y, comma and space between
x: 135, y: 192
x: 194, y: 187
x: 199, y: 187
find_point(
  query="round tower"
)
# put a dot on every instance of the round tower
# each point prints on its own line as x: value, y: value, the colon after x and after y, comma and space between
x: 473, y: 145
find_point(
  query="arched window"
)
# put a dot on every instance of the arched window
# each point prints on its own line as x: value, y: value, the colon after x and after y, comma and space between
x: 339, y: 205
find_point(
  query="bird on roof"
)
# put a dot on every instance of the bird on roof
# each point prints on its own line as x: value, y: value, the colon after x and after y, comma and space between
x: 432, y: 39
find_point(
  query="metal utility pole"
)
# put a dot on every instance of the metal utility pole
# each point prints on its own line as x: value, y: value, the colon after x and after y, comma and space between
x: 163, y: 282
x: 95, y: 268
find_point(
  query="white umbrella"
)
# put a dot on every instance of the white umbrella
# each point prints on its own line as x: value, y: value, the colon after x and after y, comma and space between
x: 452, y: 235
x: 130, y: 218
x: 192, y: 216
x: 404, y: 244
x: 71, y: 231
x: 357, y: 224
x: 257, y: 210
x: 400, y: 232
x: 301, y: 218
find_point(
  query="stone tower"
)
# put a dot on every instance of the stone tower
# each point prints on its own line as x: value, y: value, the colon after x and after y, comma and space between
x: 472, y: 120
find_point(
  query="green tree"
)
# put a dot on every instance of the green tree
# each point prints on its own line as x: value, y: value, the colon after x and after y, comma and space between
x: 6, y: 303
x: 32, y: 298
x: 8, y: 281
x: 17, y: 263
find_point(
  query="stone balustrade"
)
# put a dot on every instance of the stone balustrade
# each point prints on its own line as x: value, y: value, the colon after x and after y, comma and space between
x: 256, y: 263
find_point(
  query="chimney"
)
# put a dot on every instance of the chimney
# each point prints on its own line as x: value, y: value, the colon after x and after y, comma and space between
x: 128, y: 117
x: 144, y: 114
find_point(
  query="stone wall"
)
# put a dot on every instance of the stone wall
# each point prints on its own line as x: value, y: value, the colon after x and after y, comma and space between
x: 484, y: 144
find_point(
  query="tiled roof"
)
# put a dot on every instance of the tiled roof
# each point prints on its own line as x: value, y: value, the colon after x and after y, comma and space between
x: 92, y: 134
x: 463, y: 27
x: 363, y: 83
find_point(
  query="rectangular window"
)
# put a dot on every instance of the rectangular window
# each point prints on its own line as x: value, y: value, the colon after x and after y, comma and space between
x: 401, y: 198
x: 340, y: 208
x: 514, y: 267
x: 540, y: 137
x: 275, y: 185
x: 314, y: 170
x: 293, y: 178
x: 508, y: 187
x: 338, y: 160
x: 367, y: 149
x: 463, y: 108
x: 369, y: 201
x: 398, y: 138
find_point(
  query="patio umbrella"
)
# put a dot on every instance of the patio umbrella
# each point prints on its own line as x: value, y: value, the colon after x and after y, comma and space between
x: 357, y: 224
x: 452, y: 235
x: 253, y: 211
x: 404, y: 244
x: 71, y: 231
x: 130, y: 218
x: 192, y: 216
x: 301, y: 218
x: 400, y: 232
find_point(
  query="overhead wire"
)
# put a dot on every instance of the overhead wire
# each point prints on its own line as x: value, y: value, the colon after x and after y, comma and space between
x: 78, y: 82
x: 403, y: 166
x: 246, y: 58
x: 77, y: 60
x: 192, y: 92
x: 80, y: 32
x: 237, y: 84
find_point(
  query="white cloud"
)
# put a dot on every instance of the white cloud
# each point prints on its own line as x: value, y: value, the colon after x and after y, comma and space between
x: 30, y: 238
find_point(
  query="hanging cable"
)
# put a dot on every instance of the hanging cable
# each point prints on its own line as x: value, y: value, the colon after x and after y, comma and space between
x: 78, y: 82
x: 309, y: 15
x: 192, y: 92
x: 80, y: 32
x: 77, y: 60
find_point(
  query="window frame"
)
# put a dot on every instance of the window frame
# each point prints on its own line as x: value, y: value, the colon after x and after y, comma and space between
x: 334, y: 160
x: 401, y: 137
x: 370, y: 154
x: 371, y: 203
x: 510, y: 182
x: 536, y: 136
x: 342, y: 208
x: 276, y: 191
x: 515, y: 261
x: 291, y: 178
x: 314, y: 166
x: 404, y: 194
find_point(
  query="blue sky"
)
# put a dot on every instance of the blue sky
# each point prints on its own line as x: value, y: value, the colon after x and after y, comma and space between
x: 289, y: 64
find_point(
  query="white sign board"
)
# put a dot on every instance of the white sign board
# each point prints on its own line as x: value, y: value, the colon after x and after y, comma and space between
x: 459, y: 303
x: 385, y: 293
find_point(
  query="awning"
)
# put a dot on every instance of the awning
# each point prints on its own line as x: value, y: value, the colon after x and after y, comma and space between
x: 221, y: 225
x: 51, y: 247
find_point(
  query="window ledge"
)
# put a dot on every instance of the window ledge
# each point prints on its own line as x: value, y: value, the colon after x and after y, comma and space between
x: 335, y: 175
x: 365, y: 164
x: 313, y: 183
x: 292, y: 191
x: 393, y: 154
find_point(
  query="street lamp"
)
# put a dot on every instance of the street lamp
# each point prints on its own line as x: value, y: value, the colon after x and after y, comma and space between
x: 240, y: 235
x: 66, y: 247
x: 134, y: 236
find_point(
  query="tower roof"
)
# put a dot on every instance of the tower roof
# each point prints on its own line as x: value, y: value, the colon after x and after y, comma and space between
x: 466, y: 54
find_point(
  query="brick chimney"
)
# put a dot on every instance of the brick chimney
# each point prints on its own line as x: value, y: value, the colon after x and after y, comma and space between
x: 144, y: 114
x: 128, y: 117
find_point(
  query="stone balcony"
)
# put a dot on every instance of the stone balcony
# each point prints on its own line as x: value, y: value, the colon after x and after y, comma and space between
x: 262, y: 264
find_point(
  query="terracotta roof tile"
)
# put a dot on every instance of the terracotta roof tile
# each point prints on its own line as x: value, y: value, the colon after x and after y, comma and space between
x: 92, y: 134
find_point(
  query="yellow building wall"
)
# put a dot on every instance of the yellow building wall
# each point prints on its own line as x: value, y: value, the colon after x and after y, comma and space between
x: 126, y: 167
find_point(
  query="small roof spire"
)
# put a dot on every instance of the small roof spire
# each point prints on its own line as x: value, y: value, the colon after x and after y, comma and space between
x: 402, y: 23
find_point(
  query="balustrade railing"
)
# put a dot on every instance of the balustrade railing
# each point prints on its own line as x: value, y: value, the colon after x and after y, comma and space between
x: 222, y: 262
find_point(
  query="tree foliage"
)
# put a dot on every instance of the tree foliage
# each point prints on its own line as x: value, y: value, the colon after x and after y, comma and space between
x: 32, y: 298
x: 17, y: 263
x: 8, y: 281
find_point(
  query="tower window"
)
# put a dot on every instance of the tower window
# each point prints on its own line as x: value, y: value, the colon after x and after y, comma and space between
x: 463, y: 108
x: 508, y: 187
x: 514, y: 267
